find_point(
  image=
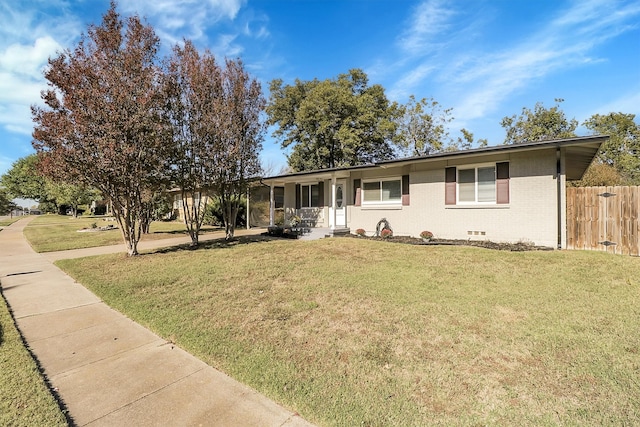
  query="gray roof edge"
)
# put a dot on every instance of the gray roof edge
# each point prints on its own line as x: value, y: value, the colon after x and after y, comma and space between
x: 537, y: 145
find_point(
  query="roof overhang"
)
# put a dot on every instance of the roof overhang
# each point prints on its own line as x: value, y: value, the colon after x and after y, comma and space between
x: 578, y: 154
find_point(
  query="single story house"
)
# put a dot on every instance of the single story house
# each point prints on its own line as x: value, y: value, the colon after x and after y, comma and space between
x: 505, y: 193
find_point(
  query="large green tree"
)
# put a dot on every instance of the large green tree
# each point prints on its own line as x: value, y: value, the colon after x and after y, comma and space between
x: 622, y: 150
x: 6, y: 205
x: 539, y: 124
x: 334, y: 122
x: 422, y: 127
x: 25, y: 181
x: 70, y: 195
x: 103, y: 123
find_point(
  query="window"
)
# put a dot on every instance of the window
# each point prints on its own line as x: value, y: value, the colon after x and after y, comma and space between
x: 382, y: 191
x: 309, y: 194
x: 278, y: 197
x: 477, y: 185
x: 485, y: 184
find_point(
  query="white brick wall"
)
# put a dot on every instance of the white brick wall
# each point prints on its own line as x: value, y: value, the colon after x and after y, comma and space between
x: 531, y: 214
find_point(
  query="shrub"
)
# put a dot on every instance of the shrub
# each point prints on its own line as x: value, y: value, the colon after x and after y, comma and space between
x: 386, y: 233
x: 426, y: 234
x: 360, y: 232
x: 295, y: 220
x: 214, y: 215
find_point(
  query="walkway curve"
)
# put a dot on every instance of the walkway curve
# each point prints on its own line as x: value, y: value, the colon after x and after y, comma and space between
x: 109, y: 370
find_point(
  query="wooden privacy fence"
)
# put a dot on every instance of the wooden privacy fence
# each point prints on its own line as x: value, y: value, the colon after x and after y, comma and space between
x: 604, y: 218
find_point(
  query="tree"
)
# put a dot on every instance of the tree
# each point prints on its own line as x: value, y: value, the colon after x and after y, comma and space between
x: 622, y: 150
x: 539, y: 125
x: 193, y: 85
x: 102, y: 124
x: 422, y: 127
x: 6, y: 205
x: 332, y: 123
x: 239, y: 141
x: 25, y: 181
x: 464, y: 142
x: 70, y: 195
x: 599, y: 174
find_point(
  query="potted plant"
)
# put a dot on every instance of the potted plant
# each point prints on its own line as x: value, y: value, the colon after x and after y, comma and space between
x: 386, y: 233
x: 294, y: 221
x: 426, y: 236
x: 360, y: 232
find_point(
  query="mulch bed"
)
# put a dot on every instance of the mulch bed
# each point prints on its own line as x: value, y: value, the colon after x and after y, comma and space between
x: 515, y: 247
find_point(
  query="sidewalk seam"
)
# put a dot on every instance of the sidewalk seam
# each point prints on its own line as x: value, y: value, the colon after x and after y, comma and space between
x: 147, y: 395
x: 26, y: 316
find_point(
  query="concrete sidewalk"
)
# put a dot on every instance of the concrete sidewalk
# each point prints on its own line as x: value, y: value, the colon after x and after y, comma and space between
x: 107, y: 369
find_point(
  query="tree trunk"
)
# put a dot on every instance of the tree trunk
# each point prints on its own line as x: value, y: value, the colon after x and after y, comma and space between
x: 230, y: 214
x: 128, y: 228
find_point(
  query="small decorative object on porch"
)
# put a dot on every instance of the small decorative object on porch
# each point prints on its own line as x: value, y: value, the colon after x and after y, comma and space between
x: 360, y: 232
x: 426, y: 236
x: 294, y: 221
x: 386, y: 233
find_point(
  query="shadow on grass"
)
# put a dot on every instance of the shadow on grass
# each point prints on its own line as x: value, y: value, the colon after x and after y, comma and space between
x: 220, y: 243
x: 184, y: 232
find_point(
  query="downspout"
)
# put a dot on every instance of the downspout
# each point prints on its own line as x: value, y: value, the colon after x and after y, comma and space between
x: 559, y: 195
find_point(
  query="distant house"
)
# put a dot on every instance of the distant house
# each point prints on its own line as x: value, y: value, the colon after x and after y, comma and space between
x: 505, y: 193
x: 258, y: 202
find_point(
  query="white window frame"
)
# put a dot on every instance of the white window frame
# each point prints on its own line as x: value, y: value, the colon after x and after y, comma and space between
x: 378, y: 202
x: 475, y: 167
x: 310, y: 192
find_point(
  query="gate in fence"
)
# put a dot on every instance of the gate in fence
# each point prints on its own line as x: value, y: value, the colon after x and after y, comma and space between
x: 604, y: 218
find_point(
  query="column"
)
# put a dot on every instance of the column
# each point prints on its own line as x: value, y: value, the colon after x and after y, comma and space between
x: 272, y: 206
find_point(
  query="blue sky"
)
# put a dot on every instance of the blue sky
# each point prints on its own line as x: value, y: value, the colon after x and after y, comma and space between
x: 485, y: 59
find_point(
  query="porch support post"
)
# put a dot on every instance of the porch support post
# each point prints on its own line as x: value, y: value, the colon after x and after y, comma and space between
x: 248, y: 211
x: 333, y: 202
x: 272, y: 206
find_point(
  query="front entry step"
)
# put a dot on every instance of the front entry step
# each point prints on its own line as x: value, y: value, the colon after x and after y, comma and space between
x: 321, y: 232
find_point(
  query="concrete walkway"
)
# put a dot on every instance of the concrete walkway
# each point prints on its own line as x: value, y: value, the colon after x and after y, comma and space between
x: 107, y: 369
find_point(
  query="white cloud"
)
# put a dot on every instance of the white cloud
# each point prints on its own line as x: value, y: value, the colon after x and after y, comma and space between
x: 430, y: 20
x: 189, y: 18
x: 29, y: 60
x: 410, y: 79
x: 566, y: 42
x: 21, y: 81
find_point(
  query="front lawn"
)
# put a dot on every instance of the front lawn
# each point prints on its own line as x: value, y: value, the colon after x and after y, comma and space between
x: 50, y: 233
x: 25, y: 399
x: 355, y: 332
x: 8, y: 221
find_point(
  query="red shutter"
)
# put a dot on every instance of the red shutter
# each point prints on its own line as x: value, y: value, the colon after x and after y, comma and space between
x: 450, y: 186
x: 502, y: 183
x: 357, y: 192
x: 405, y: 190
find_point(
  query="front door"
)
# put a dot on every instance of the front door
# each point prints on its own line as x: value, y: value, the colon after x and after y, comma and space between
x: 340, y: 206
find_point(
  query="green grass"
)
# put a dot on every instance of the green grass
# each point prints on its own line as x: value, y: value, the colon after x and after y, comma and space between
x: 8, y: 221
x: 25, y: 399
x: 355, y: 332
x: 50, y: 233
